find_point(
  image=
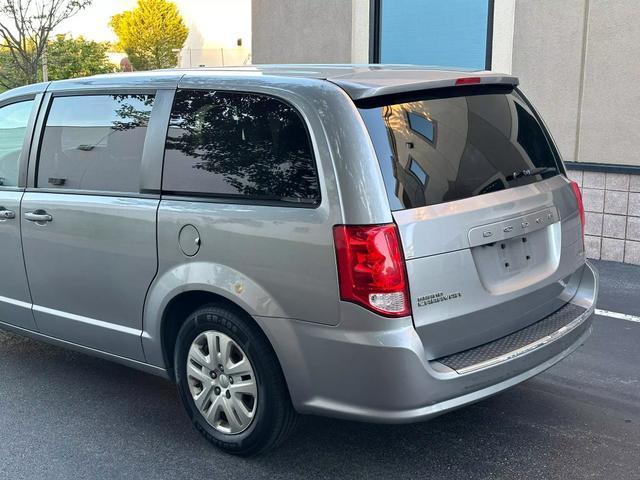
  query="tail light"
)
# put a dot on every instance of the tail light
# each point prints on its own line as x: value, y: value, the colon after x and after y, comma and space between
x: 578, y: 194
x: 468, y: 81
x: 371, y: 268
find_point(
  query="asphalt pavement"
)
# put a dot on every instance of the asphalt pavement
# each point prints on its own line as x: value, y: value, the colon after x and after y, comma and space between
x: 64, y: 415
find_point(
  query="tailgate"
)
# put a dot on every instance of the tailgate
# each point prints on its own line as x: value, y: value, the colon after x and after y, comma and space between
x: 489, y: 224
x: 479, y: 270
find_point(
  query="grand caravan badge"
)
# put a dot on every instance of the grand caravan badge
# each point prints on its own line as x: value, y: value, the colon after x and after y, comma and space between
x: 439, y: 297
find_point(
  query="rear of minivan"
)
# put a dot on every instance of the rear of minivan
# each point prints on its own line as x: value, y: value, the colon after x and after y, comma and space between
x: 485, y: 257
x: 490, y: 226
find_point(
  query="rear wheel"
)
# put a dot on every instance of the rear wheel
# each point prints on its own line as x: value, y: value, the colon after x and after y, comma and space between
x: 230, y: 382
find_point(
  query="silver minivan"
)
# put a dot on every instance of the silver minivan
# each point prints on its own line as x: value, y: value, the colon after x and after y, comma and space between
x: 377, y: 243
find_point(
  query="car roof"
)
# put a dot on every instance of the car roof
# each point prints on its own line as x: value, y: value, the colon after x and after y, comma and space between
x: 24, y: 91
x: 369, y: 80
x: 359, y: 81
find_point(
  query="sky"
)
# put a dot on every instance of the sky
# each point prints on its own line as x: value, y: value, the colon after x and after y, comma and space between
x: 93, y: 22
x: 220, y: 22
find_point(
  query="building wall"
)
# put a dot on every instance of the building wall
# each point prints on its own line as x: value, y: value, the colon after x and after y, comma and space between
x: 609, y: 123
x: 576, y: 60
x: 504, y: 15
x: 612, y: 204
x: 303, y: 31
x: 360, y: 16
x: 547, y: 57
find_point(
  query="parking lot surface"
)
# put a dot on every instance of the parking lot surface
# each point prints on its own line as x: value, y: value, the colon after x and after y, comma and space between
x: 66, y: 415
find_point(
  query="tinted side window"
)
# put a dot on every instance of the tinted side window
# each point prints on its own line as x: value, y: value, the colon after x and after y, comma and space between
x: 238, y: 145
x: 13, y: 128
x: 94, y: 142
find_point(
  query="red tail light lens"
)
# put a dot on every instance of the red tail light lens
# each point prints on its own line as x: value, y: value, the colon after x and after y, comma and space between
x: 371, y: 268
x: 578, y: 194
x: 468, y: 81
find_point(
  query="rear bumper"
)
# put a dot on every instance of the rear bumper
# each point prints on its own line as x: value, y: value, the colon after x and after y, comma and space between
x: 382, y: 375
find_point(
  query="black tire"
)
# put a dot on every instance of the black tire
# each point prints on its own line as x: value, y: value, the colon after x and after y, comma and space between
x: 274, y: 417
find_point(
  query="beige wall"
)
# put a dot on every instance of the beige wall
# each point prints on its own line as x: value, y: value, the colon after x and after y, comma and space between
x: 577, y: 61
x: 360, y: 31
x: 547, y: 56
x: 610, y: 124
x: 309, y: 31
x: 504, y: 14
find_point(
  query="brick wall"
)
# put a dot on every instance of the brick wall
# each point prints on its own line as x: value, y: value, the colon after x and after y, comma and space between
x: 612, y: 209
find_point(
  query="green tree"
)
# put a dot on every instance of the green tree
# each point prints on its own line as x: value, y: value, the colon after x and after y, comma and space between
x: 25, y: 27
x: 10, y: 75
x: 151, y: 33
x: 76, y: 57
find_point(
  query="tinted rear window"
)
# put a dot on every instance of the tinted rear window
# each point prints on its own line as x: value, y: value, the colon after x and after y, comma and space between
x: 239, y: 145
x: 443, y: 149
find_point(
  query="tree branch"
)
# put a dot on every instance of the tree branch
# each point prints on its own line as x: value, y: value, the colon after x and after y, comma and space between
x: 26, y: 25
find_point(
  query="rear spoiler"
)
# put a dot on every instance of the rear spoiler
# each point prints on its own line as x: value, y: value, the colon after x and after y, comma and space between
x: 406, y: 82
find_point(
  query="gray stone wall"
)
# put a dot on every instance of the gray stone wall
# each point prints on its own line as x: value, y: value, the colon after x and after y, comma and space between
x: 612, y: 210
x: 302, y: 31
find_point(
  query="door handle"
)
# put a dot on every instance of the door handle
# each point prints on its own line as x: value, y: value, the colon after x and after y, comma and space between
x: 38, y: 216
x: 6, y: 214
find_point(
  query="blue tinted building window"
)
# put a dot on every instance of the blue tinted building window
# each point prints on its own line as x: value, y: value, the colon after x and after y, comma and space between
x: 421, y: 125
x: 446, y: 33
x: 419, y: 172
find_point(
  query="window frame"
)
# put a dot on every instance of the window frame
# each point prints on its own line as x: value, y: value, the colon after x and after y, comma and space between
x: 239, y: 199
x: 545, y: 129
x: 28, y: 137
x: 375, y: 32
x: 151, y: 161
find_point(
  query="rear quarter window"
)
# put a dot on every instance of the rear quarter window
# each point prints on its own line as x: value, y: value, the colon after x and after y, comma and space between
x: 243, y: 146
x: 441, y: 149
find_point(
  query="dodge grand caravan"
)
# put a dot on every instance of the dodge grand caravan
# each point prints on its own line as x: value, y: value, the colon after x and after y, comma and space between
x: 378, y: 243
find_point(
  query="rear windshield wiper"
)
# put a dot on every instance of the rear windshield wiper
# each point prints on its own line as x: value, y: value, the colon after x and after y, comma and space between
x: 527, y: 172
